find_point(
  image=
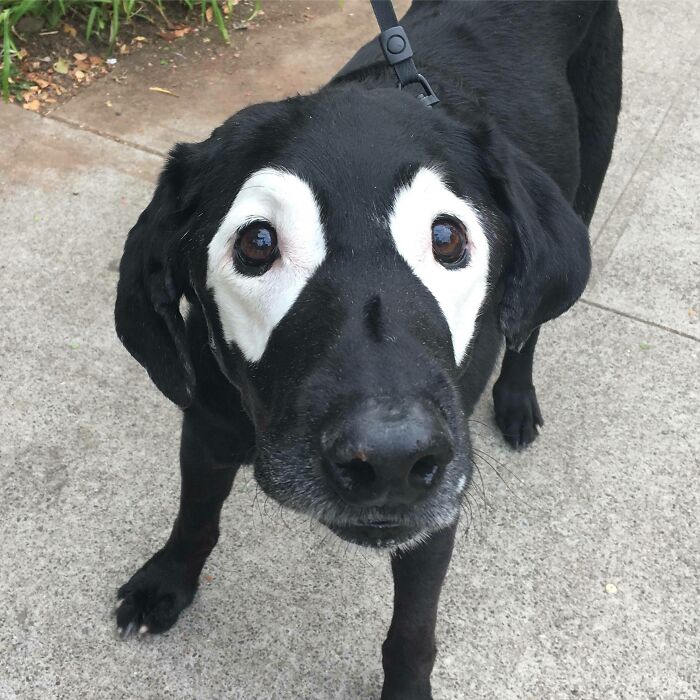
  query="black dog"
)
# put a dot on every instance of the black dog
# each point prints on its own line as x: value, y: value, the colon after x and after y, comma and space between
x: 352, y: 261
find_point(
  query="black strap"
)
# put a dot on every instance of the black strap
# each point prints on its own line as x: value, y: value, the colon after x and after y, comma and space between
x: 397, y: 50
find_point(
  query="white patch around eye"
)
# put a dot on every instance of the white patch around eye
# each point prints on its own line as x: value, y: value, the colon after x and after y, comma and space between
x: 251, y: 307
x: 458, y: 292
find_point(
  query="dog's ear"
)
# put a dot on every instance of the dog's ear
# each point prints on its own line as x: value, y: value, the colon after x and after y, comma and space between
x: 551, y: 258
x: 152, y: 280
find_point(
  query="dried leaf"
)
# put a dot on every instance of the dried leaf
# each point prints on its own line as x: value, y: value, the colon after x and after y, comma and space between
x: 32, y: 106
x: 96, y: 61
x: 164, y: 91
x: 175, y: 33
x: 139, y: 38
x: 79, y: 75
x: 209, y: 14
x: 61, y: 66
x: 80, y: 56
x: 123, y: 49
x: 70, y: 29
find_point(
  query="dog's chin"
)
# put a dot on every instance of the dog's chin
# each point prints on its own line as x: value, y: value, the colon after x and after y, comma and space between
x: 379, y: 535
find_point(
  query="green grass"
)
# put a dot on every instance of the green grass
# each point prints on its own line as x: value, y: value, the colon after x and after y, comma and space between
x: 103, y: 19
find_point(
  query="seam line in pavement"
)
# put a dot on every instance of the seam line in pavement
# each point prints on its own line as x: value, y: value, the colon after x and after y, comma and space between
x: 632, y: 317
x: 105, y: 135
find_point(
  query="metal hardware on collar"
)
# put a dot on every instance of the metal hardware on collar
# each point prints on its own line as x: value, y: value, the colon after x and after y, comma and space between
x: 397, y: 51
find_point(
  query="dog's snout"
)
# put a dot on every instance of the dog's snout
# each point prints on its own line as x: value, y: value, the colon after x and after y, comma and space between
x: 385, y: 455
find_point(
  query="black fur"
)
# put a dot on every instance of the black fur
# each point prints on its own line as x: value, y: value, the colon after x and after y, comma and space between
x: 530, y: 94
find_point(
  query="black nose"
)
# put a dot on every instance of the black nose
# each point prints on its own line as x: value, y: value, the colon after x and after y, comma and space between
x: 384, y: 454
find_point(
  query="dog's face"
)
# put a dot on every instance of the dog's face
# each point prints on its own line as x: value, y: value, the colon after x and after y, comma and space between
x: 345, y: 250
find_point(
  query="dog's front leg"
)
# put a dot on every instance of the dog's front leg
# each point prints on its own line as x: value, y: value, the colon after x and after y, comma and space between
x: 165, y: 585
x: 409, y: 650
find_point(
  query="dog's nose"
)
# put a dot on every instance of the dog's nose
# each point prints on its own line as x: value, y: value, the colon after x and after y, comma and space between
x: 384, y: 455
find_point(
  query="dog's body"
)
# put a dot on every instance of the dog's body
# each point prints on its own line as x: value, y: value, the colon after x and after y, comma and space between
x: 353, y: 260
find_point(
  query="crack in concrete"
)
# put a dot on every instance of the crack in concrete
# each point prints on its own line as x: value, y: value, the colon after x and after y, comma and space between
x: 632, y: 317
x: 105, y: 135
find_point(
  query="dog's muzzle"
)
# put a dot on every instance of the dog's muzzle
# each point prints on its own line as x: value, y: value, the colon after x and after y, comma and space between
x: 383, y: 457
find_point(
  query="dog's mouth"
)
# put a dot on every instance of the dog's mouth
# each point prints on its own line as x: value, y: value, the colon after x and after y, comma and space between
x: 379, y: 534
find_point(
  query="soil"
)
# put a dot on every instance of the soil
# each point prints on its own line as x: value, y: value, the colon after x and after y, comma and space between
x: 55, y: 64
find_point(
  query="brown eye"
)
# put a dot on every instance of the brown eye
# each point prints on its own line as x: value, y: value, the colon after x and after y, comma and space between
x: 256, y: 248
x: 450, y: 245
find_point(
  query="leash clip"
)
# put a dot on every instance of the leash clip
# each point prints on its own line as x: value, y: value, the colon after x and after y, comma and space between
x: 398, y: 52
x: 428, y: 97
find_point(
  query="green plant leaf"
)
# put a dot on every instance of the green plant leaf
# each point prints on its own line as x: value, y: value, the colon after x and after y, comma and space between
x: 91, y: 22
x: 61, y: 66
x: 219, y: 19
x: 7, y: 46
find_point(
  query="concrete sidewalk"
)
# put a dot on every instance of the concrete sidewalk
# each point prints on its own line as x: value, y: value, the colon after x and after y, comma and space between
x: 579, y: 577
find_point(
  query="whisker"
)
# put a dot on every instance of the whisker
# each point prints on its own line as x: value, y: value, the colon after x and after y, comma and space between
x: 485, y: 458
x: 500, y: 464
x: 472, y: 501
x: 481, y: 480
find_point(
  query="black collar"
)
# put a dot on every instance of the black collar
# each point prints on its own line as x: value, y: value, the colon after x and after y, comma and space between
x: 397, y: 51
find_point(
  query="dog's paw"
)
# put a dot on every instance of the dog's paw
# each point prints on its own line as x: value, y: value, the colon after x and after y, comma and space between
x: 151, y: 601
x: 517, y: 412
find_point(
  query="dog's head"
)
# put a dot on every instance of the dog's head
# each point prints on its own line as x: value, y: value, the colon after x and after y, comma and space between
x: 346, y: 249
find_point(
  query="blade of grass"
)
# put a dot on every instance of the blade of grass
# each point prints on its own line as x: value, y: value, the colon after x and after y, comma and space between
x: 18, y: 10
x: 91, y: 22
x: 129, y: 9
x: 7, y: 46
x: 56, y: 11
x: 114, y: 26
x: 219, y: 19
x: 256, y: 9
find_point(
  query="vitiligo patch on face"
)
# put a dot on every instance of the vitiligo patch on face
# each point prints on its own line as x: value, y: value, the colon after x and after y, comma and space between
x: 459, y: 292
x: 251, y: 307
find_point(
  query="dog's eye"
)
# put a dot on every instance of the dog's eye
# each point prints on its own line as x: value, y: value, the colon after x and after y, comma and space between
x: 256, y: 248
x: 450, y: 245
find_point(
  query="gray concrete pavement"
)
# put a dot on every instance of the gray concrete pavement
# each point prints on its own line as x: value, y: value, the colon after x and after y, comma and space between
x: 579, y: 576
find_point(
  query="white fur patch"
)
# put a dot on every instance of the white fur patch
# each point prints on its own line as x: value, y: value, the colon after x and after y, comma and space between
x: 459, y: 292
x: 251, y: 307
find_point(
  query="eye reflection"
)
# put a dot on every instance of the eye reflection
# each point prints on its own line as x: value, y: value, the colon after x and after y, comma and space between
x: 256, y: 248
x: 450, y: 243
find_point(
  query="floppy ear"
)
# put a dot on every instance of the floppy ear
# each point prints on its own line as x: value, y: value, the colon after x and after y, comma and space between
x: 152, y: 281
x: 551, y: 257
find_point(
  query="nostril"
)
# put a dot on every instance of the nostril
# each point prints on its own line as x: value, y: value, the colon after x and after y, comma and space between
x: 353, y: 475
x: 424, y: 472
